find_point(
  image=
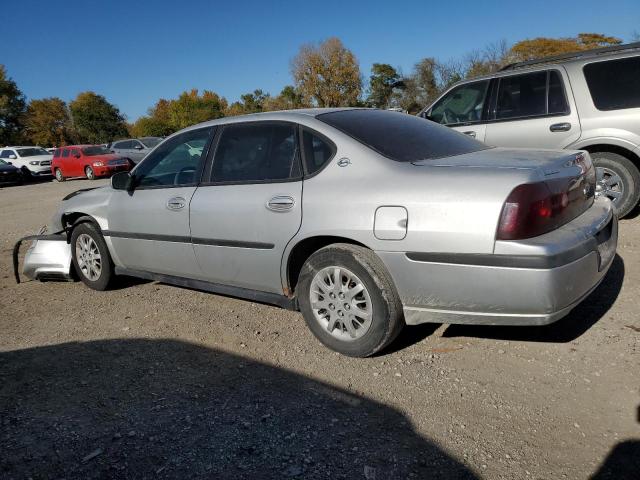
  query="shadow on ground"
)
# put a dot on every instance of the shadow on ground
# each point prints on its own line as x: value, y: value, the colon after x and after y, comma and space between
x: 622, y: 463
x: 581, y: 319
x: 169, y: 409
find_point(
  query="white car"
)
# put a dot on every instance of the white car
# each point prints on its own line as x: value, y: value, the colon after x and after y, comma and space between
x: 35, y: 161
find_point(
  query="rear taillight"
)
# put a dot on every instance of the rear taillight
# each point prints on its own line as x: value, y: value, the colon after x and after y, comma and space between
x: 533, y: 209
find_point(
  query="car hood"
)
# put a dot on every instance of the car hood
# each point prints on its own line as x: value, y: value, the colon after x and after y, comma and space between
x: 104, y: 158
x: 550, y: 161
x: 8, y: 168
x: 39, y: 158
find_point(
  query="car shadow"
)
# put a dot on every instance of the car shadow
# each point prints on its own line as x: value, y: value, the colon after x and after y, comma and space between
x: 622, y: 463
x: 567, y: 329
x: 137, y: 408
x: 410, y: 335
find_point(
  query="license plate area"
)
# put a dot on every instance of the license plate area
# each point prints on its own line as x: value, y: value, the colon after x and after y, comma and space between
x: 607, y: 239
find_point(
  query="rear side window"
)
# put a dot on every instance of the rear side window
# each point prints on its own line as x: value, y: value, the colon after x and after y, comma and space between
x: 614, y: 84
x: 401, y: 137
x: 257, y: 152
x: 317, y: 151
x: 522, y: 96
x: 65, y: 153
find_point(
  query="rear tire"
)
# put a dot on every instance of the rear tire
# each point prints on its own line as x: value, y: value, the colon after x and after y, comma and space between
x: 59, y: 176
x: 91, y: 175
x: 356, y: 325
x: 618, y: 179
x: 90, y: 257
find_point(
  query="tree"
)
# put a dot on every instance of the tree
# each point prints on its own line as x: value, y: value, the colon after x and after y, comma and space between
x: 48, y: 122
x: 249, y: 103
x: 327, y: 75
x: 545, y: 47
x: 383, y: 78
x: 12, y: 107
x: 96, y: 120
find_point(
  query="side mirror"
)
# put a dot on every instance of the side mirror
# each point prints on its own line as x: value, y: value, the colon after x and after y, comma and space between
x: 122, y: 181
x: 12, y: 156
x: 138, y: 147
x: 10, y: 163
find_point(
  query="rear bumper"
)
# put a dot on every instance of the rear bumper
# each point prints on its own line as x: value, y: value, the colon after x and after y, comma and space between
x: 532, y: 282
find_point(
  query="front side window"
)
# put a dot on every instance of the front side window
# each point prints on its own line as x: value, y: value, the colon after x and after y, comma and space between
x: 317, y: 151
x: 463, y: 104
x: 614, y: 84
x: 65, y: 153
x: 522, y: 96
x: 176, y: 162
x: 256, y: 152
x: 56, y: 154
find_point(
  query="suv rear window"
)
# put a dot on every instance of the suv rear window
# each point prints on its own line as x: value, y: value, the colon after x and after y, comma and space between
x: 614, y: 84
x: 401, y: 137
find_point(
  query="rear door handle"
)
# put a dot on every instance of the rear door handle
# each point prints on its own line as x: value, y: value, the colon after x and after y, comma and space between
x: 560, y: 127
x: 176, y: 203
x: 281, y: 203
x: 471, y: 133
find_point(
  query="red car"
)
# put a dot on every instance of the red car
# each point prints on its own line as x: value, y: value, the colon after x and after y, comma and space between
x: 90, y: 161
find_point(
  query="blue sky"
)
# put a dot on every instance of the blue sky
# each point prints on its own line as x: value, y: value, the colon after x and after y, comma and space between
x: 134, y: 52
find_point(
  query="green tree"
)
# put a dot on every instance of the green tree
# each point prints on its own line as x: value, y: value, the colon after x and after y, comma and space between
x: 191, y: 108
x: 383, y: 78
x: 249, y: 103
x: 47, y: 122
x: 12, y: 107
x: 95, y: 120
x: 327, y: 75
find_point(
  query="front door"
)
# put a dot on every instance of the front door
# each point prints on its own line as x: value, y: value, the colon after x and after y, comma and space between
x: 532, y: 110
x: 242, y: 220
x: 149, y: 227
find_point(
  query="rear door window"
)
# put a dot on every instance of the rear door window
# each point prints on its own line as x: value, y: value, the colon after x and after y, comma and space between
x: 257, y: 152
x: 614, y: 84
x: 557, y: 99
x: 522, y: 96
x: 65, y: 153
x: 462, y: 105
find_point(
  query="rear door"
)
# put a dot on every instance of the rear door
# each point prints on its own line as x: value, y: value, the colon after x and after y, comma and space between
x: 533, y: 110
x: 464, y: 108
x: 244, y: 216
x: 149, y: 227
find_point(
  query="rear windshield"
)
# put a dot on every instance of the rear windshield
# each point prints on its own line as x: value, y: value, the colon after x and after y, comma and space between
x: 614, y: 84
x: 401, y: 137
x: 96, y: 150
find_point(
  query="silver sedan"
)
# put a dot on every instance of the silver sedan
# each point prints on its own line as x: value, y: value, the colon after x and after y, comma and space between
x: 364, y: 220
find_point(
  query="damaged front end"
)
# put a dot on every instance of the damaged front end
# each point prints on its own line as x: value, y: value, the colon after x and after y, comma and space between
x: 47, y: 258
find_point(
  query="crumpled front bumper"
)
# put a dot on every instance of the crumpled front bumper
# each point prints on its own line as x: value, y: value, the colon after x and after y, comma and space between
x: 47, y: 258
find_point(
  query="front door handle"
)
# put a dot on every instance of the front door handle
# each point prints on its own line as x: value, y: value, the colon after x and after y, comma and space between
x: 176, y: 203
x: 281, y: 203
x: 471, y: 133
x: 560, y: 127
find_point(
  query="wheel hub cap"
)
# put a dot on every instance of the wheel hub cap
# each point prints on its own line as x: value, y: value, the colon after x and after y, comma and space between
x: 88, y: 257
x: 609, y: 184
x: 341, y: 303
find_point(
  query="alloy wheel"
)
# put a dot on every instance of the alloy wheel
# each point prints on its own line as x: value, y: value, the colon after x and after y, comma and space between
x: 609, y: 184
x: 88, y: 257
x: 341, y: 303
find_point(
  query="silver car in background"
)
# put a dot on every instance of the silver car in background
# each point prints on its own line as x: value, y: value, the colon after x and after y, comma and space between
x: 135, y: 149
x: 585, y: 100
x: 365, y: 220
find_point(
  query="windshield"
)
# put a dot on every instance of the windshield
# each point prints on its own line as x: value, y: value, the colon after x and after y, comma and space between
x: 401, y: 137
x: 96, y: 150
x: 150, y: 142
x: 31, y: 152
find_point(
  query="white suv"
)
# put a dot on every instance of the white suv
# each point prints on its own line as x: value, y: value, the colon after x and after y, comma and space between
x: 580, y: 101
x: 34, y: 161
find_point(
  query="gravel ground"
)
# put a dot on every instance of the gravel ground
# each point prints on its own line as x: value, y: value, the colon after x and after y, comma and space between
x: 154, y: 381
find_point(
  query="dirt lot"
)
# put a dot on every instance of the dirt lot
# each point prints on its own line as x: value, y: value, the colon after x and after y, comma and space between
x: 153, y: 381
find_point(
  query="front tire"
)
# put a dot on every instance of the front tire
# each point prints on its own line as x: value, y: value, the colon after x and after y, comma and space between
x: 349, y: 301
x: 91, y: 175
x: 618, y: 179
x: 59, y: 175
x: 90, y: 257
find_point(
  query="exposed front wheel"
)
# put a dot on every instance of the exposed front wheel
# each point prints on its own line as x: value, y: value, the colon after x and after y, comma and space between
x: 59, y: 175
x: 90, y: 256
x: 618, y: 179
x: 88, y: 171
x: 348, y: 300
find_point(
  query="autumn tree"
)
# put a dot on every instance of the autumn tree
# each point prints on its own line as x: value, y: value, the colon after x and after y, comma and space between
x: 12, y: 107
x: 327, y: 75
x: 546, y: 47
x: 95, y: 120
x: 48, y: 122
x: 381, y: 82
